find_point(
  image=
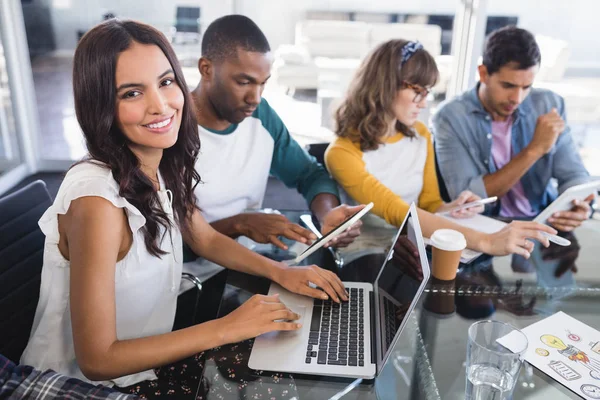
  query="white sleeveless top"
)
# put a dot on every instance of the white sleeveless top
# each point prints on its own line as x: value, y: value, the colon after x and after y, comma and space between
x: 146, y: 286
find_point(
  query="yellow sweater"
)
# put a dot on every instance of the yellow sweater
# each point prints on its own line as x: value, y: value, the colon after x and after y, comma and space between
x: 399, y: 172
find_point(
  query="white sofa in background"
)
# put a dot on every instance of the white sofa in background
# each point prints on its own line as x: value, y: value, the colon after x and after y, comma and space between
x: 334, y: 39
x: 294, y: 68
x: 326, y: 54
x: 328, y: 51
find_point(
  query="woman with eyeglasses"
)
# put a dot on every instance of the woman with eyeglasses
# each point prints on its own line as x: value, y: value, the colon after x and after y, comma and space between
x: 384, y: 155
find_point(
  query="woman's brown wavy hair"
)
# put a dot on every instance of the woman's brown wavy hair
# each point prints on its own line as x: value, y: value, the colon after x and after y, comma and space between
x: 95, y: 92
x: 366, y: 115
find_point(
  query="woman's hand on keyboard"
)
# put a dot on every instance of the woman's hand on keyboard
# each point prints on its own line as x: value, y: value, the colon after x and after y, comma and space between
x: 260, y: 314
x: 298, y: 280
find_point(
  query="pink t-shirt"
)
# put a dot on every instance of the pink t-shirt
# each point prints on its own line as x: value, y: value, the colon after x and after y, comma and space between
x: 514, y: 203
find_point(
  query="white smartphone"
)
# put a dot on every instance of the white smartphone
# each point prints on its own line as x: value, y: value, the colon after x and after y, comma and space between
x: 332, y: 234
x: 475, y: 203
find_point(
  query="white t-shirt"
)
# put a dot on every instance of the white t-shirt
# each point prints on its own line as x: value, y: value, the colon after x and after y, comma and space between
x: 234, y: 169
x: 234, y: 166
x: 146, y: 286
x: 399, y: 165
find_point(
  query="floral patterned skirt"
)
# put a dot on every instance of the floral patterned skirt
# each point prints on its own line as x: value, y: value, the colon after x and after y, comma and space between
x: 180, y: 380
x: 221, y: 373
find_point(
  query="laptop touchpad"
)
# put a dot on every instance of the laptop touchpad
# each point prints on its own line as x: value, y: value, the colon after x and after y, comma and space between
x: 301, y: 311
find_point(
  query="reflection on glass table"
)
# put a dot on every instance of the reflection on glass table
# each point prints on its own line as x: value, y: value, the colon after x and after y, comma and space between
x: 428, y: 361
x: 516, y: 291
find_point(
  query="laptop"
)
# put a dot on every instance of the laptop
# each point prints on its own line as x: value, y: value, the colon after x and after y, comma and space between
x: 352, y: 339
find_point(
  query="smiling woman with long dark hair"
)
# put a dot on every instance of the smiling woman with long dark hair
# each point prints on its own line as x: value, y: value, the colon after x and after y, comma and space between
x: 95, y: 107
x: 113, y: 250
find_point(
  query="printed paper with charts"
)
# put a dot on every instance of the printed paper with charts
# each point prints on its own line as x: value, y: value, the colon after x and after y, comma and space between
x: 567, y: 350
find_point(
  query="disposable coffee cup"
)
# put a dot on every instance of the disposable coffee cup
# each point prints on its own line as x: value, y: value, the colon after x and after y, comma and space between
x: 440, y: 300
x: 447, y: 245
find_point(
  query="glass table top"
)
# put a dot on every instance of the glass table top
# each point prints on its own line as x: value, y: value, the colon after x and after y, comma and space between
x: 428, y: 361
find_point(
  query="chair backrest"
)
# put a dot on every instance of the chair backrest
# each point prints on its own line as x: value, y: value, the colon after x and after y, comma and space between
x: 317, y: 150
x: 187, y: 19
x: 441, y: 183
x: 21, y: 259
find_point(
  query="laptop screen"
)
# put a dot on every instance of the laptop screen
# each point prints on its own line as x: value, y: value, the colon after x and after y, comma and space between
x: 399, y: 282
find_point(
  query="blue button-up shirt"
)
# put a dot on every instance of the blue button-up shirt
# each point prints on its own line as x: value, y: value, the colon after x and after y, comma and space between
x: 462, y: 131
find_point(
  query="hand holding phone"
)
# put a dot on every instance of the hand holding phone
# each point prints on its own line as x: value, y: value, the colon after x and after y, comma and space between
x: 472, y: 204
x: 332, y: 234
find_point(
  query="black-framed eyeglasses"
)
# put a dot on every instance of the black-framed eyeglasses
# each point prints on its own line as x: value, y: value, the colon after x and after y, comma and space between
x: 420, y: 92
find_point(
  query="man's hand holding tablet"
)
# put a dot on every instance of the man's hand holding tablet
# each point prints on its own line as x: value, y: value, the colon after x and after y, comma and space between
x: 571, y: 208
x: 333, y: 219
x: 567, y: 221
x: 334, y: 232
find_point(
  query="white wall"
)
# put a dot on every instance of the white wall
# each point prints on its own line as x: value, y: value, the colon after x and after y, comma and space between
x: 69, y: 16
x: 574, y: 20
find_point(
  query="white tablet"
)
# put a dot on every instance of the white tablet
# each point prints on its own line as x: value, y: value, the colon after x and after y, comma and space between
x: 332, y: 234
x: 564, y: 202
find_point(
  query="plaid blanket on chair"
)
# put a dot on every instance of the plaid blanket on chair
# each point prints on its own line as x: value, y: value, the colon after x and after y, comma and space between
x: 25, y: 382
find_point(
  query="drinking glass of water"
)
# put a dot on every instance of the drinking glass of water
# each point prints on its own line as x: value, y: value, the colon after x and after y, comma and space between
x: 492, y: 369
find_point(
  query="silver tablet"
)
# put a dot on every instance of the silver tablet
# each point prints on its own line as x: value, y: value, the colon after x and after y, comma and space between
x: 564, y: 202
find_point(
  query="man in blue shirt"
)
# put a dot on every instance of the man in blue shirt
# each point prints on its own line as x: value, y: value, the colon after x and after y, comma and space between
x: 504, y: 138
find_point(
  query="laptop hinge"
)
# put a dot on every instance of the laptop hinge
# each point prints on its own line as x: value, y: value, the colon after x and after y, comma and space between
x: 373, y: 330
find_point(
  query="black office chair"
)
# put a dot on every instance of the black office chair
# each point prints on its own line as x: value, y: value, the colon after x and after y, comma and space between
x: 187, y: 25
x: 441, y: 183
x: 21, y: 259
x: 187, y: 19
x: 317, y: 150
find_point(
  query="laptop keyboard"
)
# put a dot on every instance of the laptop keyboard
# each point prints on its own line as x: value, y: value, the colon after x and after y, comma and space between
x: 337, y: 332
x: 391, y: 320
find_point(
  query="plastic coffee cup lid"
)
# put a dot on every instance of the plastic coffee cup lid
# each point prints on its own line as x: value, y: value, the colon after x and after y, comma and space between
x: 448, y: 240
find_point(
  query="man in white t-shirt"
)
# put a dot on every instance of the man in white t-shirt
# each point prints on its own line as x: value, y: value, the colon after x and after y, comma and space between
x: 244, y: 140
